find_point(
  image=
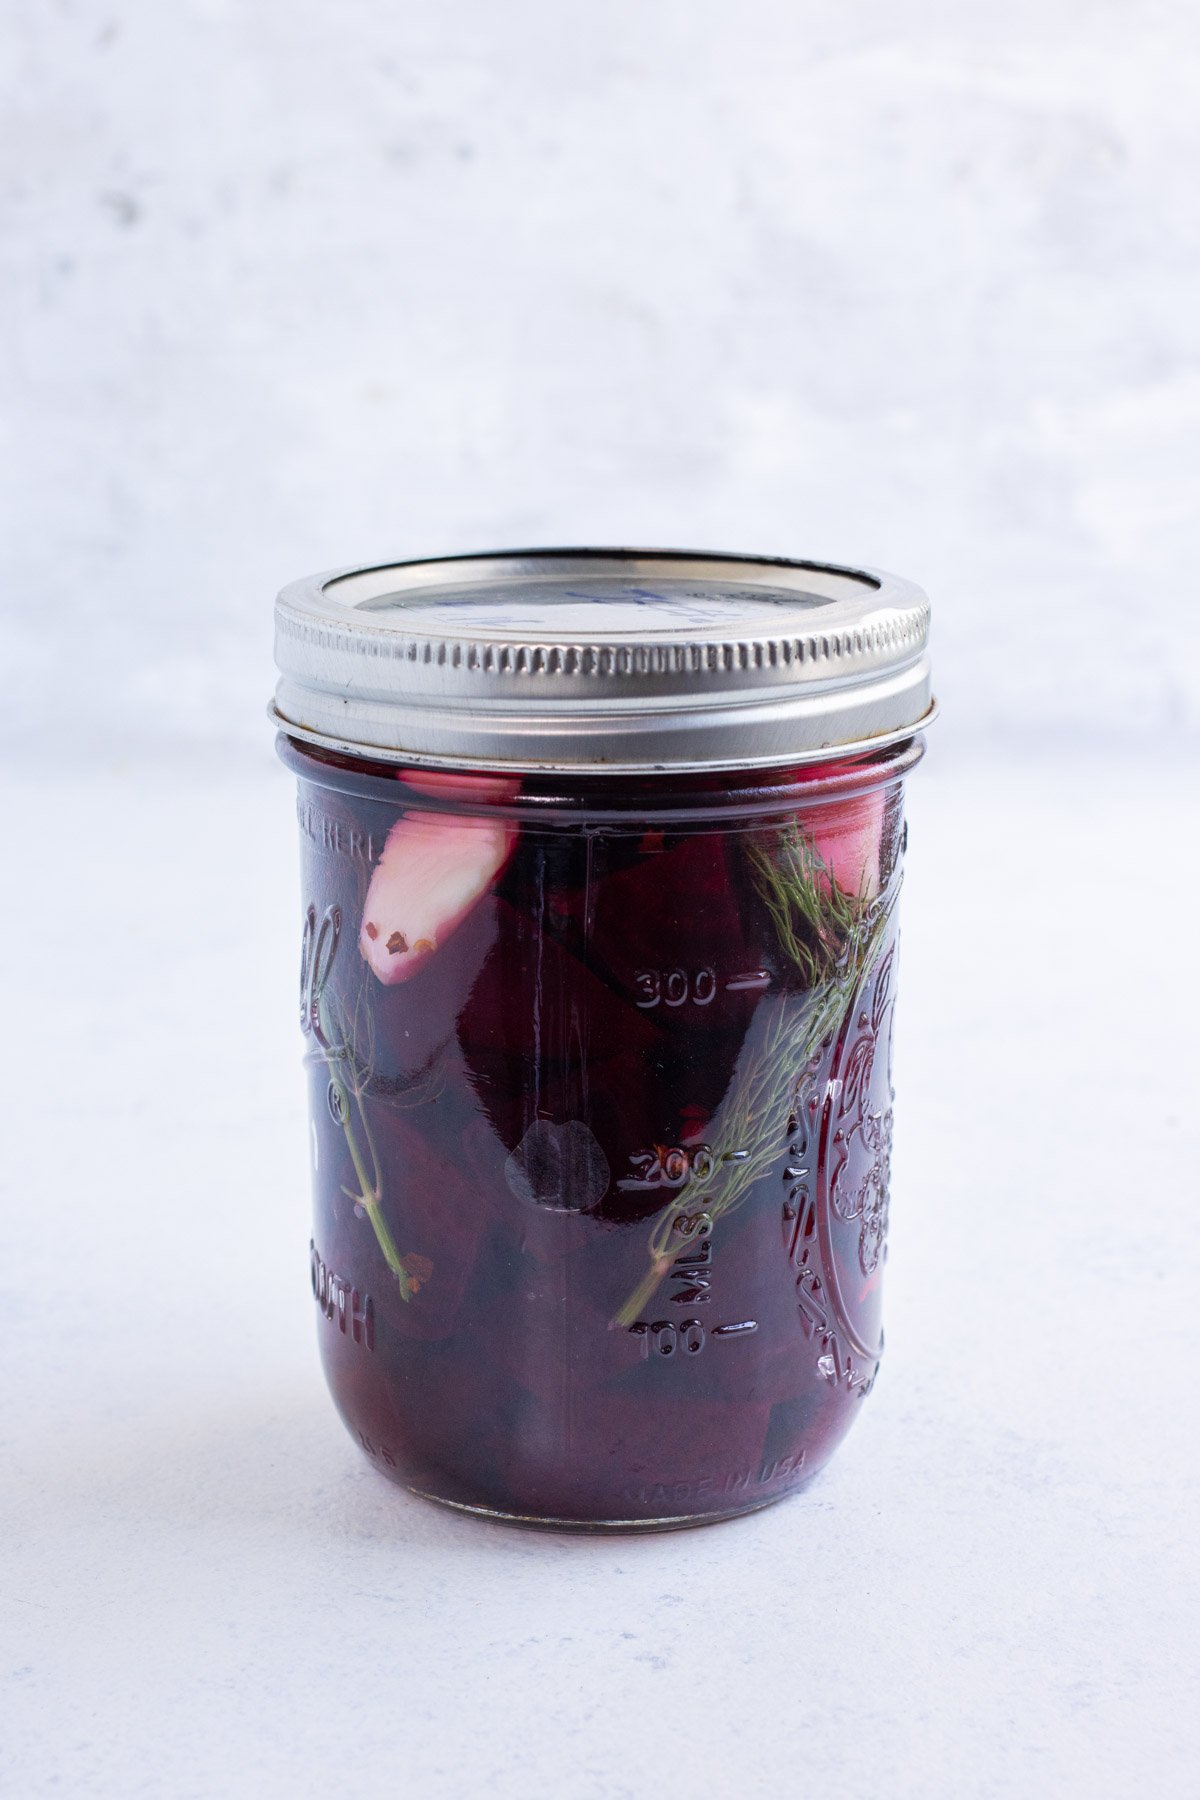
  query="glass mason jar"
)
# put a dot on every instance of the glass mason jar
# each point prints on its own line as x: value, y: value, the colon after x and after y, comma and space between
x: 601, y: 854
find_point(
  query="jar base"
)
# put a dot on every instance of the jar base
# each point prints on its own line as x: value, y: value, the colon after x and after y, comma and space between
x: 532, y: 1522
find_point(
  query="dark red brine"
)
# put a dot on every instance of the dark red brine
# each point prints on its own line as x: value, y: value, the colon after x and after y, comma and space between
x: 601, y: 1093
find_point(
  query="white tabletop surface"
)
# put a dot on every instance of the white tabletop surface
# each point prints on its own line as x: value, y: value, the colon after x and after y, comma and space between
x: 992, y: 1591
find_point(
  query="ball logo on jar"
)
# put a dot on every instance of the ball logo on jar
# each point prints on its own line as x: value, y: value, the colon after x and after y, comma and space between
x: 317, y: 950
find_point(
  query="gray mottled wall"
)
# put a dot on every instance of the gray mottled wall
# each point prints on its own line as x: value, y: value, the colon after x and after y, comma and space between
x: 288, y: 284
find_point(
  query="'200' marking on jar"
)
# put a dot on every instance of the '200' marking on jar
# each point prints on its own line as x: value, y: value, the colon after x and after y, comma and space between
x: 671, y: 1165
x: 699, y: 987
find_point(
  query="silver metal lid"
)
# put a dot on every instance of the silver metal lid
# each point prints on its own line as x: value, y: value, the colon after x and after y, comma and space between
x: 620, y: 660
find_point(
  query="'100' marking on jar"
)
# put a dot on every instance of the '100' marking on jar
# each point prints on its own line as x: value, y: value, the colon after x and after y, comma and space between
x: 665, y: 1338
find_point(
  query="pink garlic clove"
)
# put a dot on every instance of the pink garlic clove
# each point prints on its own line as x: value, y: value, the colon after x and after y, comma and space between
x: 434, y: 869
x: 848, y: 837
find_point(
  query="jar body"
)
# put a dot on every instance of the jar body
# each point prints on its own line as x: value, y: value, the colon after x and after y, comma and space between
x: 601, y: 1097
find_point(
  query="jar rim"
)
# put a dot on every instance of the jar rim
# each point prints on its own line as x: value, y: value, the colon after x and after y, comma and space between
x: 567, y: 797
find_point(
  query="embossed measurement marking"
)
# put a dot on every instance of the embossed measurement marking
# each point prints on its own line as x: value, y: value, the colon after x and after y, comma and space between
x: 675, y: 987
x: 664, y: 1338
x: 692, y: 1270
x: 678, y: 987
x: 671, y: 1165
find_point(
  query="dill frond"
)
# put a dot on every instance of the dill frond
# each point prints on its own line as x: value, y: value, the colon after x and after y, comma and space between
x: 831, y: 939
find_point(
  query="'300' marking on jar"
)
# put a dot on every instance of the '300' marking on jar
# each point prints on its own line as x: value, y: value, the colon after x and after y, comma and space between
x: 697, y: 987
x: 675, y: 987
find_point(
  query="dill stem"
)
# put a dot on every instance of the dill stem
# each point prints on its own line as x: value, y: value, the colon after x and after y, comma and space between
x: 643, y: 1293
x: 369, y: 1195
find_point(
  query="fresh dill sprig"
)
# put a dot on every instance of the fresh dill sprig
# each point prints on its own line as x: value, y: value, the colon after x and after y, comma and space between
x: 345, y: 1040
x: 832, y: 939
x: 816, y: 920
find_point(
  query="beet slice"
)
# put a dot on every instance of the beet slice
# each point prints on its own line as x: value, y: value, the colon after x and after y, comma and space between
x: 536, y: 1001
x: 434, y: 1213
x: 669, y: 934
x: 548, y: 1335
x: 621, y: 1453
x: 415, y: 1023
x: 461, y: 1413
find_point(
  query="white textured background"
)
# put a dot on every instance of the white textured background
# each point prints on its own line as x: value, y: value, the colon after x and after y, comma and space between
x: 288, y: 285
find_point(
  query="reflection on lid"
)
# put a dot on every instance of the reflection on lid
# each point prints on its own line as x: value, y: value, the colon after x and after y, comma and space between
x: 599, y: 605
